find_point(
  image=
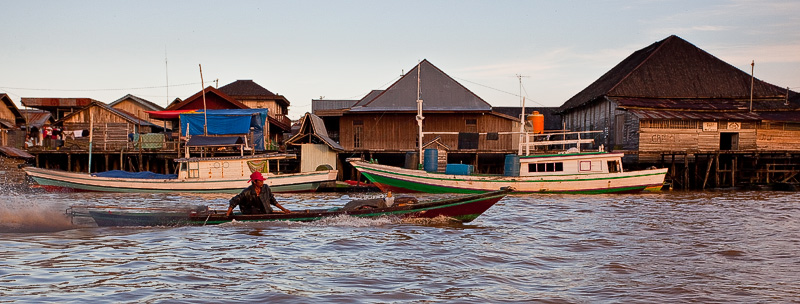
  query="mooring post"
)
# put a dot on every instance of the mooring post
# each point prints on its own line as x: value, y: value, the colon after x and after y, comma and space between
x: 733, y: 171
x: 686, y: 171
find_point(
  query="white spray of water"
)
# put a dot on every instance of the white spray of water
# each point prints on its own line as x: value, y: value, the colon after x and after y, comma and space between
x: 31, y: 212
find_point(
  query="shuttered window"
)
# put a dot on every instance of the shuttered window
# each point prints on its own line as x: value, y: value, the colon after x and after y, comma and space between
x: 358, y: 133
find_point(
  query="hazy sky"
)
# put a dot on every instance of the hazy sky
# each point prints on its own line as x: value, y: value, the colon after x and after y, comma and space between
x: 343, y: 49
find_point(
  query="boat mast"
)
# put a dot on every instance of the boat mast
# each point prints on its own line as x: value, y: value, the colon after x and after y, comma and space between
x: 419, y: 116
x: 205, y: 111
x: 91, y: 136
x: 522, y: 135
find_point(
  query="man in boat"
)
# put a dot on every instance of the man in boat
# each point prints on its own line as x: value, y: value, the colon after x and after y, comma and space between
x: 256, y: 198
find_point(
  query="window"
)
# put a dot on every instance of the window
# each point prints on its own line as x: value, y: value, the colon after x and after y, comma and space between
x: 193, y: 169
x: 546, y: 167
x: 612, y: 166
x: 358, y: 132
x: 471, y: 125
x: 619, y: 129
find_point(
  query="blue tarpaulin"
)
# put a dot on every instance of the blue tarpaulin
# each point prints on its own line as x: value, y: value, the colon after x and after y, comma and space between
x: 140, y: 175
x: 228, y: 122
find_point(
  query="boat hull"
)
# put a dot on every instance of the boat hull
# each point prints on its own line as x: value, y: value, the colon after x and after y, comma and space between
x: 464, y: 209
x: 54, y: 180
x: 395, y: 179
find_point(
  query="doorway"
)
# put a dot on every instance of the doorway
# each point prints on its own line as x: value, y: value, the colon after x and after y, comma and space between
x: 728, y: 141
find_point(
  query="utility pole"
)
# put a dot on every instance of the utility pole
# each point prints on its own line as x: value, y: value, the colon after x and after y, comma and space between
x: 752, y: 82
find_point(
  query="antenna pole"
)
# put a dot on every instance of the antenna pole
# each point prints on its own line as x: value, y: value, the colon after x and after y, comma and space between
x: 166, y: 64
x: 786, y: 102
x: 522, y: 136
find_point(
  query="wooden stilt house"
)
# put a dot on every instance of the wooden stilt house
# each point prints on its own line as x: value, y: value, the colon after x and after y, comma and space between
x: 673, y: 96
x: 383, y: 124
x: 10, y: 119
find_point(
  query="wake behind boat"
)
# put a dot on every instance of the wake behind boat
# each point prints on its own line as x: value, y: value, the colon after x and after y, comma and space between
x: 463, y: 208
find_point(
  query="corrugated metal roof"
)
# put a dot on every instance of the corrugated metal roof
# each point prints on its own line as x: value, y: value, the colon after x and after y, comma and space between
x: 199, y: 96
x: 37, y: 118
x: 784, y: 116
x: 14, y: 152
x: 245, y: 88
x: 313, y: 126
x: 7, y: 124
x: 439, y: 92
x: 125, y: 115
x: 370, y: 96
x: 694, y: 115
x: 674, y: 68
x: 326, y: 104
x: 144, y: 102
x: 56, y: 102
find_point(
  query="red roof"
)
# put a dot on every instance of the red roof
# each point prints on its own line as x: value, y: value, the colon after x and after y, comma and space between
x: 215, y: 99
x: 167, y: 114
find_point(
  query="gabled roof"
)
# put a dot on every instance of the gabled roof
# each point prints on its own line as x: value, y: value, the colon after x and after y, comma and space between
x: 370, y: 96
x: 199, y: 96
x: 37, y: 118
x: 436, y: 141
x: 124, y: 115
x: 438, y: 91
x: 245, y: 88
x: 312, y: 127
x: 673, y: 68
x: 5, y: 99
x: 144, y: 102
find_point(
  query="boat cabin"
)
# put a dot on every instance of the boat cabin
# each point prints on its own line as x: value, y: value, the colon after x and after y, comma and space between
x: 570, y: 163
x: 227, y: 167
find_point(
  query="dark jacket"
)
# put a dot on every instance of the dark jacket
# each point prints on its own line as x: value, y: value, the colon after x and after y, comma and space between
x: 250, y: 203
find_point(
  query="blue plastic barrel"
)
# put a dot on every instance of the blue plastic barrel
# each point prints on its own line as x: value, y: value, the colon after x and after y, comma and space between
x: 512, y: 165
x: 412, y: 160
x: 458, y: 169
x: 431, y: 160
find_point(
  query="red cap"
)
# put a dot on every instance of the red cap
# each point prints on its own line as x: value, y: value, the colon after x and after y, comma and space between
x: 255, y: 176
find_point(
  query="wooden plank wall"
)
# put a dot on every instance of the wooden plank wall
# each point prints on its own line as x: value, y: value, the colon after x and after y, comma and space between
x: 398, y: 132
x: 778, y: 140
x: 107, y: 136
x: 653, y: 141
x: 600, y: 116
x: 139, y: 111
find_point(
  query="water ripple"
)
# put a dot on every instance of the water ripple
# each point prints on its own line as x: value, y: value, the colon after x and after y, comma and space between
x: 660, y: 247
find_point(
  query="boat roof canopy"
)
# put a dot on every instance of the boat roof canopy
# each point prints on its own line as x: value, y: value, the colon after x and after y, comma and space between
x: 214, y: 141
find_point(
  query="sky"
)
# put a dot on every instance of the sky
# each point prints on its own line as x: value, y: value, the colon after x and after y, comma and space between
x: 308, y: 50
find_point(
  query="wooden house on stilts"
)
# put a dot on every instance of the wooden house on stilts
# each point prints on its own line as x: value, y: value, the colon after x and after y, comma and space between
x: 672, y: 103
x: 382, y: 126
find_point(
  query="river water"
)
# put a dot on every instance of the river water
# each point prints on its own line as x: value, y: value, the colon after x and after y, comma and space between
x: 667, y: 247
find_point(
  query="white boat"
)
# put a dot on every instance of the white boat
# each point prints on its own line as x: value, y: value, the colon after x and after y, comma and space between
x: 570, y: 171
x: 583, y: 172
x: 195, y: 175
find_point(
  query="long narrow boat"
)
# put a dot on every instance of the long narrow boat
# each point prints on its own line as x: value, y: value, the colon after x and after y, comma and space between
x: 581, y: 173
x: 464, y: 208
x: 196, y: 175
